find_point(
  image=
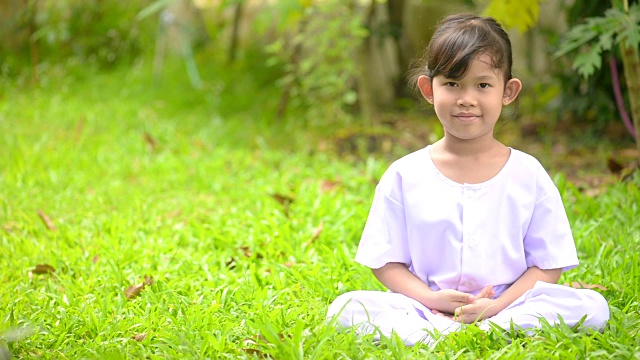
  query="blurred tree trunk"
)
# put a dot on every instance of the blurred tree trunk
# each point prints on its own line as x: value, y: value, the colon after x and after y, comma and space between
x: 12, y: 30
x: 34, y: 50
x: 235, y: 32
x: 396, y: 9
x: 364, y: 56
x: 631, y: 65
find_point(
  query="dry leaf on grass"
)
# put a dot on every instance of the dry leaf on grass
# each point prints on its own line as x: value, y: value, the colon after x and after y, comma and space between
x: 250, y: 347
x: 133, y: 291
x: 43, y: 269
x: 151, y: 141
x: 79, y: 128
x: 231, y: 263
x: 284, y: 200
x: 11, y: 226
x: 581, y: 285
x: 593, y: 192
x: 246, y: 251
x: 316, y: 233
x: 256, y: 352
x: 328, y: 185
x: 139, y: 337
x: 46, y: 220
x: 173, y: 214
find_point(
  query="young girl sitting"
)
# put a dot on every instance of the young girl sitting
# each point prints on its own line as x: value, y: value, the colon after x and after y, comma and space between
x: 467, y: 230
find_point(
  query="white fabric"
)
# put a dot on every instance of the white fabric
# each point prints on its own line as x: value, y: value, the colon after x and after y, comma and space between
x: 465, y: 237
x: 381, y: 313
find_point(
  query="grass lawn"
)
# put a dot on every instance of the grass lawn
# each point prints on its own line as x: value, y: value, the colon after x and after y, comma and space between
x: 243, y: 231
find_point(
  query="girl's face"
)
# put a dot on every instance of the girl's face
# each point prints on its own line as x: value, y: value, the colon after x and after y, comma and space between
x: 469, y: 108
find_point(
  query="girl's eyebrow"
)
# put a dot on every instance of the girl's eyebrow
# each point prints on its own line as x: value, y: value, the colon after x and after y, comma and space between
x: 485, y: 77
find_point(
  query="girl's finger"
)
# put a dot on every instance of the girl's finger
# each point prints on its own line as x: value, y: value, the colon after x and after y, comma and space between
x: 467, y: 298
x: 485, y: 292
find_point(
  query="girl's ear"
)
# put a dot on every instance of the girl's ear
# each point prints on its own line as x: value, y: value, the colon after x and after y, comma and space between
x: 426, y: 88
x: 511, y: 91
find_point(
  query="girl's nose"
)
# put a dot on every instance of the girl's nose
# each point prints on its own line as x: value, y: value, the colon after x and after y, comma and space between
x: 465, y: 99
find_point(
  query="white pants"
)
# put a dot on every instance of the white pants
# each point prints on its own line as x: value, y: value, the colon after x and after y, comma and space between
x: 382, y: 313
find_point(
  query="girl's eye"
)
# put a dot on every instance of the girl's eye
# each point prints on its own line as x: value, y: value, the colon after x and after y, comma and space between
x: 484, y: 86
x: 451, y: 83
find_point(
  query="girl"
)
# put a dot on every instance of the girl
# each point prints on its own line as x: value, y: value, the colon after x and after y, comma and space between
x: 467, y: 230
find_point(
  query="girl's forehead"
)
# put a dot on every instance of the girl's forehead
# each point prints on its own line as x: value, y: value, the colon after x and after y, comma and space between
x: 481, y: 68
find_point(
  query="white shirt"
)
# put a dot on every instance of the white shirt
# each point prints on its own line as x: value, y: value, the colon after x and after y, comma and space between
x: 467, y: 236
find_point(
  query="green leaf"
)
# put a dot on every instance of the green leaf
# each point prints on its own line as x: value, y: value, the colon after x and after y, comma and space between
x: 629, y: 36
x: 587, y: 63
x: 520, y: 15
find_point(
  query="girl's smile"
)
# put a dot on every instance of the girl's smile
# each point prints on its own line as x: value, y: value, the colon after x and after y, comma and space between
x: 466, y: 116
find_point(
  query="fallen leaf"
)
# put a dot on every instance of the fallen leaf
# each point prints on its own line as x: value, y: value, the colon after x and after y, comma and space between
x: 151, y: 141
x: 581, y: 285
x: 256, y: 352
x: 79, y: 128
x: 316, y: 233
x: 43, y: 269
x: 249, y: 342
x: 173, y: 214
x: 328, y: 185
x: 593, y: 192
x: 95, y: 259
x: 231, y: 263
x: 46, y: 220
x: 133, y: 291
x: 288, y: 264
x: 246, y: 251
x: 148, y: 280
x: 11, y: 226
x: 139, y: 337
x: 284, y: 200
x: 253, y: 350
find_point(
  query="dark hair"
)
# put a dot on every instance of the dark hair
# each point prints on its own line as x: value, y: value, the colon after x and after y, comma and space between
x: 458, y: 39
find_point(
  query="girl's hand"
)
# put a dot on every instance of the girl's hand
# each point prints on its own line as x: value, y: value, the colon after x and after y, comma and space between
x: 448, y: 300
x: 480, y: 309
x: 486, y: 292
x: 466, y: 312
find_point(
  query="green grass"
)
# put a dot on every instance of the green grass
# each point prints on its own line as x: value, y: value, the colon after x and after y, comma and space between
x: 181, y: 185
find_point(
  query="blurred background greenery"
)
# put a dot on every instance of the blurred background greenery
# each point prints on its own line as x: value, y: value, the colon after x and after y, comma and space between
x: 338, y: 67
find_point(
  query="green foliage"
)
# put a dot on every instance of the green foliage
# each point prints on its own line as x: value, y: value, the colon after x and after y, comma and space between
x: 585, y: 100
x: 318, y: 56
x: 598, y: 35
x: 515, y: 14
x: 102, y: 32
